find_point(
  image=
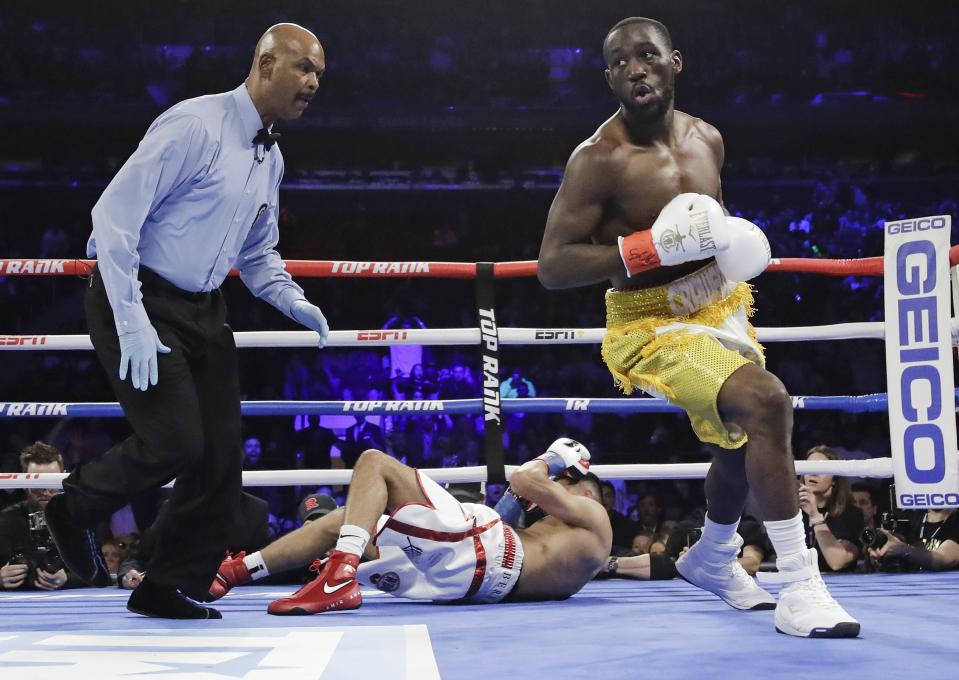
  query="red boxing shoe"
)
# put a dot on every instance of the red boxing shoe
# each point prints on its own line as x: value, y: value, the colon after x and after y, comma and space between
x: 335, y: 589
x: 232, y: 572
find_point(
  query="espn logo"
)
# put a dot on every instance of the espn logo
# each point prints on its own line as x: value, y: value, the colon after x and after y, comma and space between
x: 381, y: 335
x: 21, y: 340
x: 556, y: 334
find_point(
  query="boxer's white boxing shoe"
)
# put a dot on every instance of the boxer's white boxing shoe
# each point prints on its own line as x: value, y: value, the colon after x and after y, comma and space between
x: 714, y: 567
x: 805, y: 608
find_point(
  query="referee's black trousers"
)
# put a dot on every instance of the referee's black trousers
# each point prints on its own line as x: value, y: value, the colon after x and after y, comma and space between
x: 187, y: 427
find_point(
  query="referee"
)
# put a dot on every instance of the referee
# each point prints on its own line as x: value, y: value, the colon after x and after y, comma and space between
x: 197, y: 198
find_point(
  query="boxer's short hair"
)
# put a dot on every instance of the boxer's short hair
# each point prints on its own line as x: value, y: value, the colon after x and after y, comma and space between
x: 594, y: 482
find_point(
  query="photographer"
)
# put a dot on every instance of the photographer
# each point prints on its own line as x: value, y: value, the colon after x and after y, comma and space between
x: 866, y: 499
x: 934, y: 545
x: 28, y: 556
x: 833, y: 522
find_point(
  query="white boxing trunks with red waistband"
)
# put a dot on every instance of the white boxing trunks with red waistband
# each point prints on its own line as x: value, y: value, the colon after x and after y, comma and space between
x: 444, y: 551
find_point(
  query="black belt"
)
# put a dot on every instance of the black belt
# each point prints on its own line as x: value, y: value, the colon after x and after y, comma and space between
x: 154, y: 282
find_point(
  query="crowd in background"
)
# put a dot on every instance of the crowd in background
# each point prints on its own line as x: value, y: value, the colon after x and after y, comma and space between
x: 541, y: 55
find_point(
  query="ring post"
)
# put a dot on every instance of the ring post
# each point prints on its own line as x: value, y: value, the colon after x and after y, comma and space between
x: 489, y: 353
x: 919, y: 366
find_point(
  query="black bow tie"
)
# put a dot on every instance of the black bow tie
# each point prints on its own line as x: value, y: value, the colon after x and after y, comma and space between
x: 266, y: 138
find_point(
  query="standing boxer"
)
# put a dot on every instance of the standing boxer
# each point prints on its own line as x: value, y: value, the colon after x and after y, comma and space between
x: 641, y: 205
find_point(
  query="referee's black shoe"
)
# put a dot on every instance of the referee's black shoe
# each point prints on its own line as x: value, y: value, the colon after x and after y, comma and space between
x: 77, y: 545
x: 165, y: 602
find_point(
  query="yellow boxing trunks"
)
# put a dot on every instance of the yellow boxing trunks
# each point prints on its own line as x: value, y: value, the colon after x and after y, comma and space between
x: 682, y: 341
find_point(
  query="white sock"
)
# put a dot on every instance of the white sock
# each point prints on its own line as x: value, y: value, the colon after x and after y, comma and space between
x: 256, y: 566
x: 788, y: 537
x: 719, y: 533
x: 353, y: 539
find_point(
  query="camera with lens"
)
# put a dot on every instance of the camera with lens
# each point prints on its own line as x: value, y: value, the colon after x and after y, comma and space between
x: 693, y: 534
x: 42, y: 553
x: 873, y: 538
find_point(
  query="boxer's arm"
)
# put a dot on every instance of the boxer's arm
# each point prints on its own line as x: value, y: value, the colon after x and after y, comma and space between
x: 640, y: 567
x: 714, y: 140
x: 533, y: 483
x: 627, y: 566
x: 566, y: 258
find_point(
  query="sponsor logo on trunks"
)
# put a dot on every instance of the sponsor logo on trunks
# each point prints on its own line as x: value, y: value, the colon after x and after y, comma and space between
x: 557, y: 334
x: 412, y: 551
x: 382, y: 268
x: 491, y: 406
x: 21, y: 340
x: 671, y: 240
x: 12, y: 410
x: 921, y: 224
x: 390, y: 406
x: 387, y: 582
x: 509, y: 555
x: 32, y: 266
x: 381, y: 335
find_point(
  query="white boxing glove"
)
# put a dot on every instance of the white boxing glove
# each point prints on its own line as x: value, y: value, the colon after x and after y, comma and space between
x: 748, y: 254
x: 564, y: 455
x: 690, y: 227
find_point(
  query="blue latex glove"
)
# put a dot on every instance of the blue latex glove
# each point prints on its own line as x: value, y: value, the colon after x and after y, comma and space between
x: 311, y: 317
x: 138, y: 352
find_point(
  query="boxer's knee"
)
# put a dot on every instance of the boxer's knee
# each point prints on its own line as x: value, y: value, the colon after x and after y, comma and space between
x: 760, y: 403
x: 373, y: 459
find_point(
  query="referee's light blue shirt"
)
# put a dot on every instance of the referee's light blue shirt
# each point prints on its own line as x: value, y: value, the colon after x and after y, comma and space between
x: 191, y: 203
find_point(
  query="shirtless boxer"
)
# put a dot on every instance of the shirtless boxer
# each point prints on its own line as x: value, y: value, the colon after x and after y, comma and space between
x: 641, y: 206
x: 431, y: 547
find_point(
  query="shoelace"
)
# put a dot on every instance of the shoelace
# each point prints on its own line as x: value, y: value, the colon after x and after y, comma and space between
x: 740, y: 574
x: 814, y: 589
x: 316, y: 567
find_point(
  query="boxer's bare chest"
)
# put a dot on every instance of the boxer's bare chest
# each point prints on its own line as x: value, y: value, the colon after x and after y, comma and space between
x: 648, y: 178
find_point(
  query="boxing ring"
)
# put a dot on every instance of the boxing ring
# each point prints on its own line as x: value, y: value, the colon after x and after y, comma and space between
x: 610, y: 629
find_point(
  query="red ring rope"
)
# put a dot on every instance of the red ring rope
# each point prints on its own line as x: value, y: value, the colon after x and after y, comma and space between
x: 868, y: 266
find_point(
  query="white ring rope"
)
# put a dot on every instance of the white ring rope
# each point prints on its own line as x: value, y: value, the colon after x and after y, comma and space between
x: 872, y: 467
x: 871, y: 330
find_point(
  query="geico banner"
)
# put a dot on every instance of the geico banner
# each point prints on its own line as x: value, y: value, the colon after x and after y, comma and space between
x: 922, y: 417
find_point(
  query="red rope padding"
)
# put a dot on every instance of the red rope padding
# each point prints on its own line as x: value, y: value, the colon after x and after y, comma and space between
x: 868, y: 266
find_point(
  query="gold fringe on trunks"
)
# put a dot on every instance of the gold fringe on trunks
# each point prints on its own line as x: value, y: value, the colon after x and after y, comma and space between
x: 639, y: 313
